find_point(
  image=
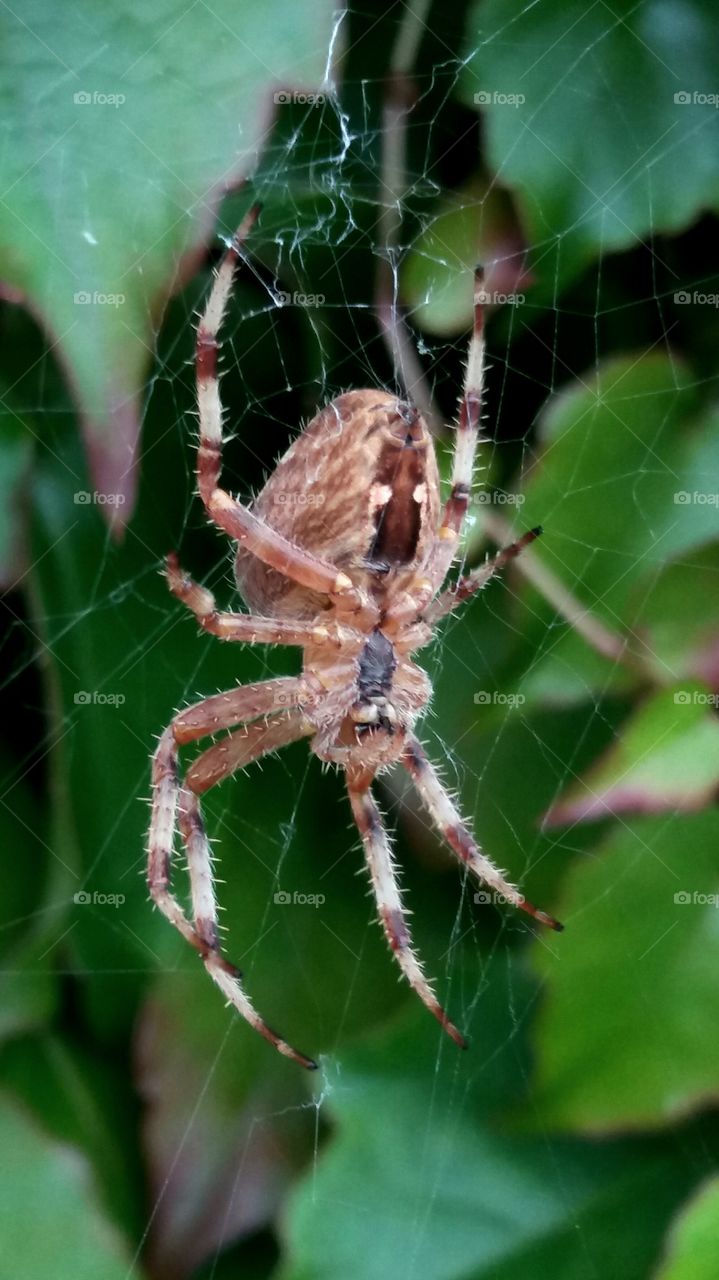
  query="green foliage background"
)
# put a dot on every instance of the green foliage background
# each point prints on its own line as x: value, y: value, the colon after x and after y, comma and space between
x: 145, y: 1133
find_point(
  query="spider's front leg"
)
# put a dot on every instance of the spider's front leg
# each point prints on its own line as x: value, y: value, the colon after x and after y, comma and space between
x: 473, y: 582
x: 244, y: 627
x: 176, y: 804
x: 389, y: 902
x: 238, y: 521
x: 444, y: 548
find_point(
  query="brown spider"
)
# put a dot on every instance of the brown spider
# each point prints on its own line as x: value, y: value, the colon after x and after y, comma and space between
x: 343, y: 553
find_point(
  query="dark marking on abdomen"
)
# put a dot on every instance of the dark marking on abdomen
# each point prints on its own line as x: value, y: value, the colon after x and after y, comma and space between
x: 398, y: 523
x: 377, y: 664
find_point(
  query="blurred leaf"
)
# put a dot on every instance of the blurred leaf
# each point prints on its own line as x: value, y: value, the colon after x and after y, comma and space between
x: 108, y: 98
x: 633, y: 985
x: 665, y: 757
x: 693, y: 1245
x: 15, y: 456
x: 50, y: 1222
x: 679, y: 613
x: 86, y: 1103
x: 582, y: 104
x: 30, y: 918
x: 423, y: 1175
x: 437, y: 274
x: 614, y: 489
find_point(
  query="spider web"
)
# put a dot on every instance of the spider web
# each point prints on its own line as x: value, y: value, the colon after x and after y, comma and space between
x: 367, y: 193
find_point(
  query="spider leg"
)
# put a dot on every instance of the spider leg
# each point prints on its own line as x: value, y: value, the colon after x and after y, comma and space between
x: 474, y: 581
x: 237, y: 520
x: 389, y: 901
x: 246, y: 702
x: 224, y: 974
x: 236, y: 626
x: 172, y: 802
x: 242, y: 747
x: 446, y: 817
x: 444, y: 547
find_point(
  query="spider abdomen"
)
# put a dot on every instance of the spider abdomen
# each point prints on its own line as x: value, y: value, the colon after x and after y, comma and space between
x: 359, y: 488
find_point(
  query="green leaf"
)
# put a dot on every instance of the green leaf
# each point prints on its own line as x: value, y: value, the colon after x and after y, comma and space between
x: 626, y: 1036
x: 437, y: 274
x: 692, y: 1251
x: 665, y: 758
x: 679, y: 613
x: 84, y: 1102
x: 621, y: 485
x: 594, y: 145
x: 125, y: 136
x: 50, y: 1221
x: 424, y: 1172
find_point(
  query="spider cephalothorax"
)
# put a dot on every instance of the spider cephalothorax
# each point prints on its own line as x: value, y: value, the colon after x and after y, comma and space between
x: 344, y: 553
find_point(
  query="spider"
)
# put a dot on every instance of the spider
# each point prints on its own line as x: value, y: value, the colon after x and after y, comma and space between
x: 344, y: 554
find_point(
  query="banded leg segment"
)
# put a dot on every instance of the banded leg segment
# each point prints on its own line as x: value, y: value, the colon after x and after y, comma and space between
x: 173, y: 806
x: 448, y: 821
x: 237, y: 520
x: 473, y: 582
x: 444, y: 547
x: 389, y: 902
x: 224, y: 974
x: 245, y: 627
